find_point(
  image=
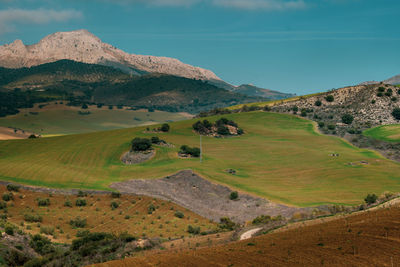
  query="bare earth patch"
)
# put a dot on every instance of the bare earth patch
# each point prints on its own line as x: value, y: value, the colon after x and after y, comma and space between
x: 9, y: 133
x: 205, y: 198
x: 131, y: 157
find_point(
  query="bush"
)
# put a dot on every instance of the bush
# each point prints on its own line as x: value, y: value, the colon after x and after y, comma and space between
x: 114, y: 205
x: 84, y: 106
x: 82, y: 194
x: 151, y: 208
x: 381, y: 89
x: 193, y: 230
x: 303, y: 113
x: 8, y: 196
x: 78, y: 222
x: 68, y: 203
x: 80, y: 202
x: 396, y: 113
x: 321, y: 124
x: 115, y: 194
x: 100, y: 105
x: 40, y: 244
x: 347, y: 118
x: 165, y: 127
x: 226, y: 224
x: 193, y: 151
x: 42, y: 202
x: 179, y: 214
x: 13, y: 187
x: 3, y: 205
x: 9, y: 230
x: 329, y: 98
x: 32, y: 217
x: 380, y: 94
x: 47, y: 230
x: 331, y: 127
x: 318, y: 103
x: 373, y: 101
x: 234, y: 195
x: 141, y: 144
x: 32, y: 136
x: 223, y: 130
x: 264, y: 219
x: 155, y: 140
x: 240, y: 131
x: 394, y: 99
x: 370, y: 199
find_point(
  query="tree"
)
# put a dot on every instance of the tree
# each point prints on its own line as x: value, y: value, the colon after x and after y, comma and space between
x: 329, y: 98
x: 318, y: 103
x: 396, y: 113
x: 370, y: 199
x: 140, y: 144
x: 165, y: 127
x: 155, y: 140
x: 234, y: 195
x: 347, y: 118
x: 84, y: 106
x: 223, y: 130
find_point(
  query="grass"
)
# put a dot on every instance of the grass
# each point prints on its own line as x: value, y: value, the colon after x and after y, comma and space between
x: 273, y: 102
x: 388, y: 133
x: 280, y: 157
x: 131, y: 216
x: 53, y: 120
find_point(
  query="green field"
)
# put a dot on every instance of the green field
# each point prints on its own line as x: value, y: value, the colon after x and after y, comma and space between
x: 389, y: 133
x: 280, y: 157
x: 60, y: 119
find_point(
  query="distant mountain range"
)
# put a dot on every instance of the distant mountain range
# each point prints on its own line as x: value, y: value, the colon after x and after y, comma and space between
x: 83, y: 46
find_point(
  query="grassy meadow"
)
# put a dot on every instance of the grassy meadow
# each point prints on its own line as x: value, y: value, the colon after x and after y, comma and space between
x: 389, y: 133
x: 280, y: 157
x: 59, y: 119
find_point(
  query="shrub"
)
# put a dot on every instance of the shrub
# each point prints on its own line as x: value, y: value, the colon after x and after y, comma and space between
x: 370, y: 199
x: 42, y: 202
x: 303, y: 113
x: 381, y: 89
x: 41, y: 244
x: 155, y: 140
x: 28, y: 217
x: 9, y: 230
x: 84, y: 106
x: 82, y: 194
x: 3, y: 205
x: 68, y: 203
x: 388, y: 94
x: 193, y: 151
x: 114, y: 205
x: 223, y: 130
x: 347, y: 118
x: 47, y: 230
x: 179, y: 214
x: 8, y: 196
x: 331, y: 127
x: 80, y: 202
x: 398, y: 92
x: 78, y: 222
x: 165, y: 127
x: 329, y: 98
x: 226, y: 224
x: 100, y: 105
x: 234, y: 195
x: 13, y: 187
x: 193, y: 230
x: 295, y: 109
x: 318, y: 103
x: 140, y: 144
x: 115, y: 194
x: 151, y: 208
x: 110, y: 106
x: 373, y: 101
x: 321, y: 124
x: 394, y: 99
x: 240, y: 131
x: 379, y: 94
x: 396, y: 113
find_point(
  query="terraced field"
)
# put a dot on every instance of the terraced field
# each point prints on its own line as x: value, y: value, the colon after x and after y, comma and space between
x: 366, y: 239
x: 280, y: 157
x: 131, y: 215
x: 58, y: 119
x: 389, y: 133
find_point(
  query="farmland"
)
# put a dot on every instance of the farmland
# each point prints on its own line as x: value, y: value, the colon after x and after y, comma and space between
x: 286, y: 161
x: 389, y: 133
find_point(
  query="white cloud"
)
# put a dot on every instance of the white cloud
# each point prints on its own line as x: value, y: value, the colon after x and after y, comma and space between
x: 261, y: 4
x: 9, y: 18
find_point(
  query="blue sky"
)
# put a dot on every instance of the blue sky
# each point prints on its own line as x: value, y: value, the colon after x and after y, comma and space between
x: 297, y: 46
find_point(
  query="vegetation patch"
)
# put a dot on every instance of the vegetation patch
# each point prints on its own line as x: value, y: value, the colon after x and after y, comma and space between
x: 222, y: 127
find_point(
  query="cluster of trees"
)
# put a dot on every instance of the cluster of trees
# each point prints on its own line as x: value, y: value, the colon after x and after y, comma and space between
x: 143, y: 144
x: 206, y: 127
x: 192, y: 151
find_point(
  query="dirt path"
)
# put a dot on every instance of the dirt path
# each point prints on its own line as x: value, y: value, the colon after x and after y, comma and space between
x: 249, y: 234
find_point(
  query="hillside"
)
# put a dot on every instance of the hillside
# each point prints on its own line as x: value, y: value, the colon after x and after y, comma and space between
x: 280, y: 151
x: 364, y: 239
x: 80, y: 83
x: 251, y: 90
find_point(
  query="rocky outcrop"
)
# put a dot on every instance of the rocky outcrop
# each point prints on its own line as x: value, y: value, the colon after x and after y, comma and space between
x: 82, y: 46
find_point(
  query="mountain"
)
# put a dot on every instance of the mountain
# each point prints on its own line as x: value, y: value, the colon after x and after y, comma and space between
x: 81, y: 83
x: 251, y: 90
x: 83, y: 46
x: 395, y: 80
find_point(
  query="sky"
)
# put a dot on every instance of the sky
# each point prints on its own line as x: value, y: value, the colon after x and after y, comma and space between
x: 294, y: 46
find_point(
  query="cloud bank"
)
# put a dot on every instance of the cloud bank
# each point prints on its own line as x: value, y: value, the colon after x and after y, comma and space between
x: 9, y: 18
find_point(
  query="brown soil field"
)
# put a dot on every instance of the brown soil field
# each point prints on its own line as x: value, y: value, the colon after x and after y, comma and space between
x: 9, y: 133
x: 131, y: 216
x: 370, y: 238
